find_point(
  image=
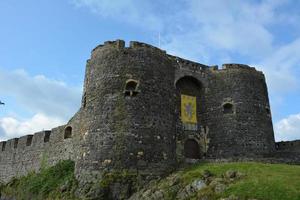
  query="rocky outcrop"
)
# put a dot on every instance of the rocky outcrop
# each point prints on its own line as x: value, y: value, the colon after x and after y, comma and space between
x: 202, y: 187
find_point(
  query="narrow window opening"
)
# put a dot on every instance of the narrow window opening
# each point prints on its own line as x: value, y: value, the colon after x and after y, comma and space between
x: 29, y: 140
x: 131, y: 88
x: 16, y: 140
x: 227, y: 108
x: 268, y: 111
x: 68, y: 132
x: 84, y: 101
x: 3, y: 146
x: 47, y: 136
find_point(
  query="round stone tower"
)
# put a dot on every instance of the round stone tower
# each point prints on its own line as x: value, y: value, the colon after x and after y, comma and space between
x: 238, y: 113
x: 128, y: 107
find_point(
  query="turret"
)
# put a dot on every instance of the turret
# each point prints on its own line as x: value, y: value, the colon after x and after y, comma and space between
x: 239, y: 113
x: 128, y: 107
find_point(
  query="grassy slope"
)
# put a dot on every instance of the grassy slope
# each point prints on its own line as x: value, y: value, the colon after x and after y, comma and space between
x: 261, y: 181
x: 57, y: 182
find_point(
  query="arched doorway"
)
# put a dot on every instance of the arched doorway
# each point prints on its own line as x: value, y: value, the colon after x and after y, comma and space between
x: 190, y: 103
x: 68, y: 132
x: 189, y: 85
x: 191, y: 149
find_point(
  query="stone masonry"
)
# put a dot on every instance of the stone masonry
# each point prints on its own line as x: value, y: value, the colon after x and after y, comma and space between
x: 131, y: 117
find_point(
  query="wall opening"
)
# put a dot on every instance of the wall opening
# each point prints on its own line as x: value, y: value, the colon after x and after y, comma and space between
x: 268, y: 111
x: 131, y: 87
x: 47, y: 136
x: 189, y: 85
x: 16, y: 141
x: 29, y: 140
x: 228, y: 108
x: 68, y: 132
x: 3, y: 146
x: 190, y: 102
x: 84, y: 102
x: 191, y: 149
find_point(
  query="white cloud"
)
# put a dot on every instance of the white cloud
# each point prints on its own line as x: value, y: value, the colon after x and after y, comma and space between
x: 39, y: 94
x: 216, y: 31
x: 232, y: 25
x: 49, y: 102
x: 174, y: 46
x: 213, y: 26
x: 280, y: 66
x: 288, y: 128
x: 135, y: 12
x: 11, y: 127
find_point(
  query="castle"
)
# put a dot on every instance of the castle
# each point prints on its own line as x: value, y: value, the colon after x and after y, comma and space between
x: 148, y: 111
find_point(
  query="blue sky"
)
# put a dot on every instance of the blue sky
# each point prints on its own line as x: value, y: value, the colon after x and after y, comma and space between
x: 45, y: 45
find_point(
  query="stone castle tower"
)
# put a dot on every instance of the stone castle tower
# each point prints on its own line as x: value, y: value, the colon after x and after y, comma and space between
x: 145, y: 110
x: 148, y: 111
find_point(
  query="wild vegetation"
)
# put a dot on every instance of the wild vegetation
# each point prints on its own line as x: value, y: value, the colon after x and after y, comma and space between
x: 239, y: 180
x: 57, y: 182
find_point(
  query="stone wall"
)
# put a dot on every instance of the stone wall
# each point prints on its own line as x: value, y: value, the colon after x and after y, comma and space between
x: 238, y: 113
x: 190, y: 79
x: 18, y: 156
x: 288, y: 146
x: 288, y: 151
x: 130, y: 116
x: 129, y: 111
x: 233, y: 111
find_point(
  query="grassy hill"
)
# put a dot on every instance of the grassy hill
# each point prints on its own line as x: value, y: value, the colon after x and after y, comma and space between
x: 248, y: 180
x: 57, y: 182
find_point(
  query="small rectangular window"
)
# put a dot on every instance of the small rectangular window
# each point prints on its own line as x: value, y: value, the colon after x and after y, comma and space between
x: 16, y: 141
x: 3, y: 146
x: 47, y: 136
x: 29, y: 140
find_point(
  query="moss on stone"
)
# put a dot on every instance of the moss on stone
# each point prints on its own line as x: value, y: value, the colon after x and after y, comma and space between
x: 120, y: 126
x: 118, y: 176
x: 121, y: 183
x: 57, y: 182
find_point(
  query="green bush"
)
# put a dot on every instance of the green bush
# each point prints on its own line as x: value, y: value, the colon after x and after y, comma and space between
x: 55, y: 182
x: 258, y: 181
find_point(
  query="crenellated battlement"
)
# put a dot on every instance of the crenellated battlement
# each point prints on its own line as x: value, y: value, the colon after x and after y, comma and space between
x: 288, y: 146
x: 120, y: 44
x: 133, y: 95
x: 20, y: 155
x: 180, y: 63
x: 135, y: 44
x: 236, y: 66
x: 111, y: 44
x: 237, y: 69
x: 26, y: 141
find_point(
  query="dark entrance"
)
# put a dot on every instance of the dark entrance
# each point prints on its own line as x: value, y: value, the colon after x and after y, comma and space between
x: 191, y: 149
x: 189, y: 86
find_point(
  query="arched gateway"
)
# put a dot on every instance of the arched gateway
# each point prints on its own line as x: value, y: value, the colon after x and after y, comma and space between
x: 191, y: 149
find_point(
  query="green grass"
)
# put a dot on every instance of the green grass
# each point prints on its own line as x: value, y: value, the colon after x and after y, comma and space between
x: 57, y: 182
x: 261, y: 181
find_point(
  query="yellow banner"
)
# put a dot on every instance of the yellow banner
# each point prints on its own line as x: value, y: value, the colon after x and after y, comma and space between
x: 188, y: 109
